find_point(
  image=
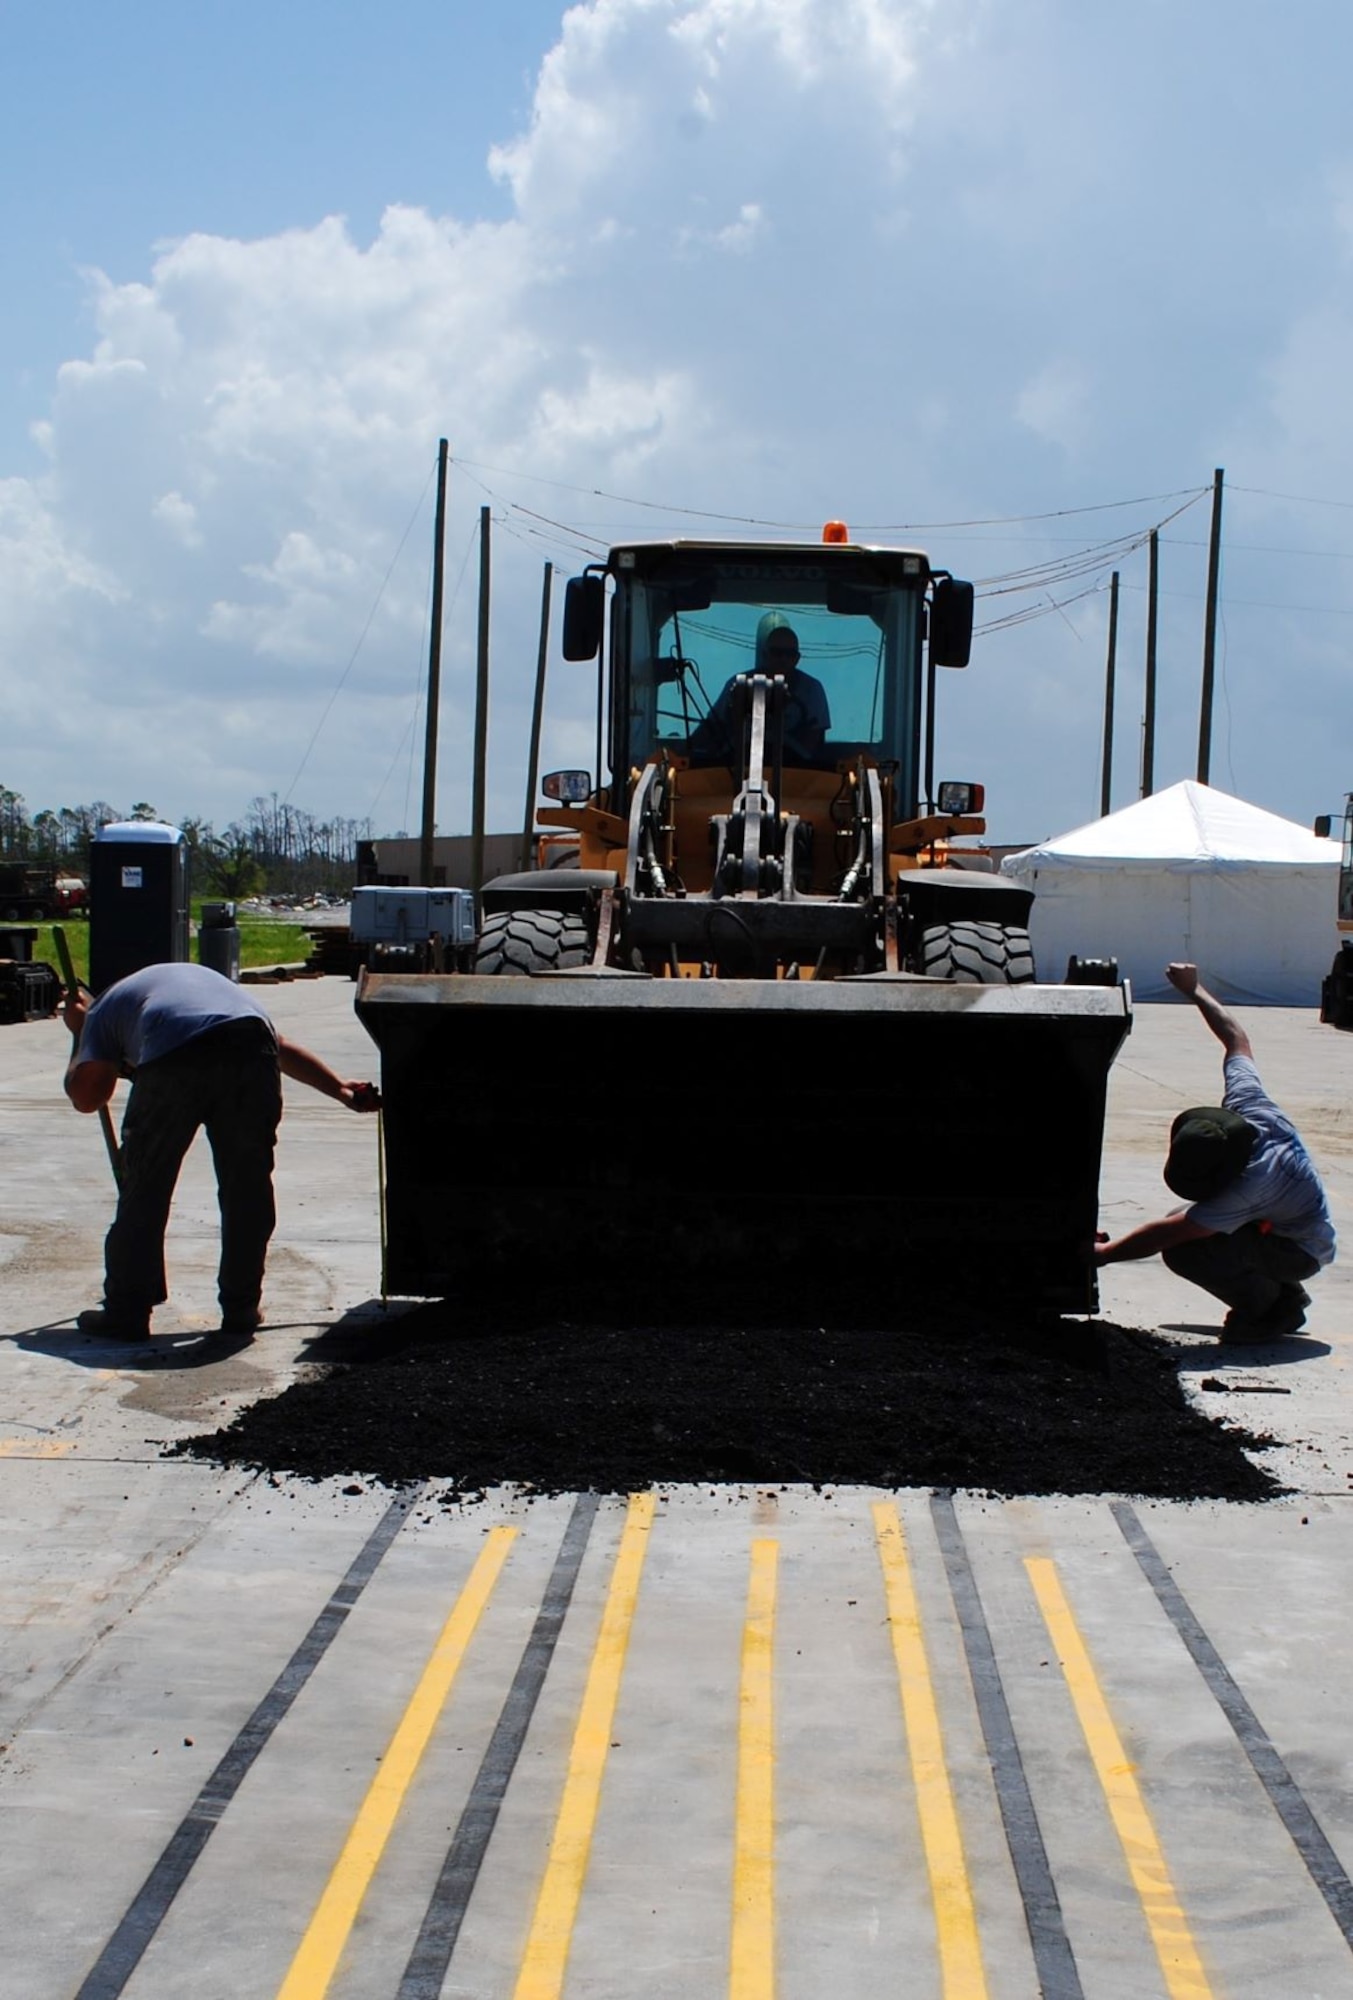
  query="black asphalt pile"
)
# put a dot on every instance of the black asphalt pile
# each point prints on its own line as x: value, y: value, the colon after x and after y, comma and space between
x: 952, y: 1399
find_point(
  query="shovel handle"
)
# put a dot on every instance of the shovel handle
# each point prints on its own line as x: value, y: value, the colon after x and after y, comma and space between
x: 380, y: 1191
x: 72, y: 986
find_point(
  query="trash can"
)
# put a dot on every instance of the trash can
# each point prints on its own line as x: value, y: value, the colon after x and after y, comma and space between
x: 17, y: 941
x: 138, y: 899
x: 218, y: 939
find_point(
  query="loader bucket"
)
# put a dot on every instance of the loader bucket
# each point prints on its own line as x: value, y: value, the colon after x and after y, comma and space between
x: 886, y: 1133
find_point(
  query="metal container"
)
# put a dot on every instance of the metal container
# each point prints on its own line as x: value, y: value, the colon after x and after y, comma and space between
x: 218, y: 939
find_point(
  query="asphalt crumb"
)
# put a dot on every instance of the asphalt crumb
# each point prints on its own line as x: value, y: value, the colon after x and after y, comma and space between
x: 952, y: 1396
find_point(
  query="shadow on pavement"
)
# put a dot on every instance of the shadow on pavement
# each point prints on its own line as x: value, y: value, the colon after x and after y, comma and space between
x: 178, y: 1351
x: 1207, y: 1352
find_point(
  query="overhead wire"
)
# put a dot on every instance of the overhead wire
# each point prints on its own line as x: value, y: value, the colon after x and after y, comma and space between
x: 1297, y: 499
x: 561, y: 534
x: 531, y: 535
x: 1188, y: 493
x: 1264, y: 549
x: 361, y: 638
x: 418, y: 688
x: 527, y: 525
x: 1044, y: 577
x: 1027, y: 613
x: 566, y: 535
x: 1037, y: 576
x: 1097, y: 560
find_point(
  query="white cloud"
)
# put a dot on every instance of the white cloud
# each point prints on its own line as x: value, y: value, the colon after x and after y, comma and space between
x: 235, y: 459
x: 775, y: 259
x: 1056, y: 404
x: 738, y: 236
x: 179, y: 518
x: 37, y: 564
x: 709, y: 88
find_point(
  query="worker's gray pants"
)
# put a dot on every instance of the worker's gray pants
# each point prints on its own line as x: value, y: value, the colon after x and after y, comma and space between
x: 228, y: 1082
x: 1250, y: 1270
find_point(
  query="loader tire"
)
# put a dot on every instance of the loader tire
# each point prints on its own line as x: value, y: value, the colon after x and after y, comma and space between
x: 526, y: 941
x: 978, y: 954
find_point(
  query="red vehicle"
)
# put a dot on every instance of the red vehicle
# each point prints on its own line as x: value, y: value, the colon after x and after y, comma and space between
x: 30, y: 895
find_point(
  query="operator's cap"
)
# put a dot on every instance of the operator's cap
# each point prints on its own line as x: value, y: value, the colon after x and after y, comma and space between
x: 1209, y: 1148
x: 772, y: 624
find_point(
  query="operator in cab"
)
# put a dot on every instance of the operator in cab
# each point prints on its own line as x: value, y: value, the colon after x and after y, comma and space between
x: 807, y: 717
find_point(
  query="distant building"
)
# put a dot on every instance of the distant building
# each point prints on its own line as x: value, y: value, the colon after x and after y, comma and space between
x: 396, y: 864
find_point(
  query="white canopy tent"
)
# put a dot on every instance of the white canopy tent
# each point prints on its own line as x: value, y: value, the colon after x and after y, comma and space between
x: 1189, y: 873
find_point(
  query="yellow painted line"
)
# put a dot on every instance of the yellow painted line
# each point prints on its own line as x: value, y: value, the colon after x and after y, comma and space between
x: 1178, y: 1955
x: 752, y: 1959
x: 960, y: 1950
x: 547, y: 1948
x: 320, y: 1949
x: 35, y: 1447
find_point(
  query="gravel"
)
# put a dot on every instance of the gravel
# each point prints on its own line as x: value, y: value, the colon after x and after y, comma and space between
x: 953, y: 1397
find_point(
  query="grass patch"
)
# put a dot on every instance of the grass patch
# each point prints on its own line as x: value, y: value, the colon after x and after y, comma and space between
x: 271, y: 941
x: 263, y: 941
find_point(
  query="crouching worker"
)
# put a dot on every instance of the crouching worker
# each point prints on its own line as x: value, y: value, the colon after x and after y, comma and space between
x: 1257, y: 1223
x: 201, y: 1052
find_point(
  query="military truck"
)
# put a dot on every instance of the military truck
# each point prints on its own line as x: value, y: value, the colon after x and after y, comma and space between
x: 763, y: 1012
x: 31, y: 894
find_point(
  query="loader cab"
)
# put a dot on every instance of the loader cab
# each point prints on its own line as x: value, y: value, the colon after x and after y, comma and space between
x: 685, y: 618
x: 687, y: 630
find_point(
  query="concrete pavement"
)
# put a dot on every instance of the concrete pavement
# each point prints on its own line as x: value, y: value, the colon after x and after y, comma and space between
x: 264, y: 1737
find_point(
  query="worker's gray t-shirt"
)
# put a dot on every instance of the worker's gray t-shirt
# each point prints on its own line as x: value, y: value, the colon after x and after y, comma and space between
x: 151, y: 1013
x: 1280, y: 1185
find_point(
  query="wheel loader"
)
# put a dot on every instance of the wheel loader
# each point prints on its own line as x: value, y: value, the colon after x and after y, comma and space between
x: 759, y: 1017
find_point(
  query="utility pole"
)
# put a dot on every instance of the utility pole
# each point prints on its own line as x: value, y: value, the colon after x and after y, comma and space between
x: 429, y: 823
x: 1210, y: 633
x: 1106, y: 776
x: 1149, y: 713
x: 481, y: 712
x: 537, y: 717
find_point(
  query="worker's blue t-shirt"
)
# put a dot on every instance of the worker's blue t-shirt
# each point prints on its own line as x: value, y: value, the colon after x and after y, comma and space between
x: 151, y: 1013
x: 1280, y: 1185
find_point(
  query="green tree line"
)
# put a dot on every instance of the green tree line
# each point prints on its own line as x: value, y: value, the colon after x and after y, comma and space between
x: 276, y: 849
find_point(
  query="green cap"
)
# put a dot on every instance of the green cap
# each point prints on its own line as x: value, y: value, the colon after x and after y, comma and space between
x: 1209, y: 1148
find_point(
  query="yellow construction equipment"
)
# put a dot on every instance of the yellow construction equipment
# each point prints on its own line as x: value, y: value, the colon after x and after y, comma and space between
x: 769, y: 1015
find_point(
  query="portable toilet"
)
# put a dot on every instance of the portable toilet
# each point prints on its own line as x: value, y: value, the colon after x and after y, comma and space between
x: 138, y: 899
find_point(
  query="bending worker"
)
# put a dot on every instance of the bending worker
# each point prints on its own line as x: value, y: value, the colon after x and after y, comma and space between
x: 1257, y: 1223
x: 200, y: 1052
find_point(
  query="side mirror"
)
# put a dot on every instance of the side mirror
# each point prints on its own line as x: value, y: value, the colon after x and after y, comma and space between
x: 961, y: 799
x: 570, y: 788
x: 584, y: 611
x: 1322, y: 826
x: 951, y: 622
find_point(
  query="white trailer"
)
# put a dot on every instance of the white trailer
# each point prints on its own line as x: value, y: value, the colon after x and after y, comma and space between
x: 410, y: 929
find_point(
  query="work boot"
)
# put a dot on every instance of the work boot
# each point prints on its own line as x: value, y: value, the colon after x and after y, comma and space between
x: 1286, y: 1316
x: 242, y: 1325
x: 107, y: 1322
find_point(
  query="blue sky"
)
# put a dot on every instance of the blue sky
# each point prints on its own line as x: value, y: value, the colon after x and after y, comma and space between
x: 126, y: 126
x: 968, y: 273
